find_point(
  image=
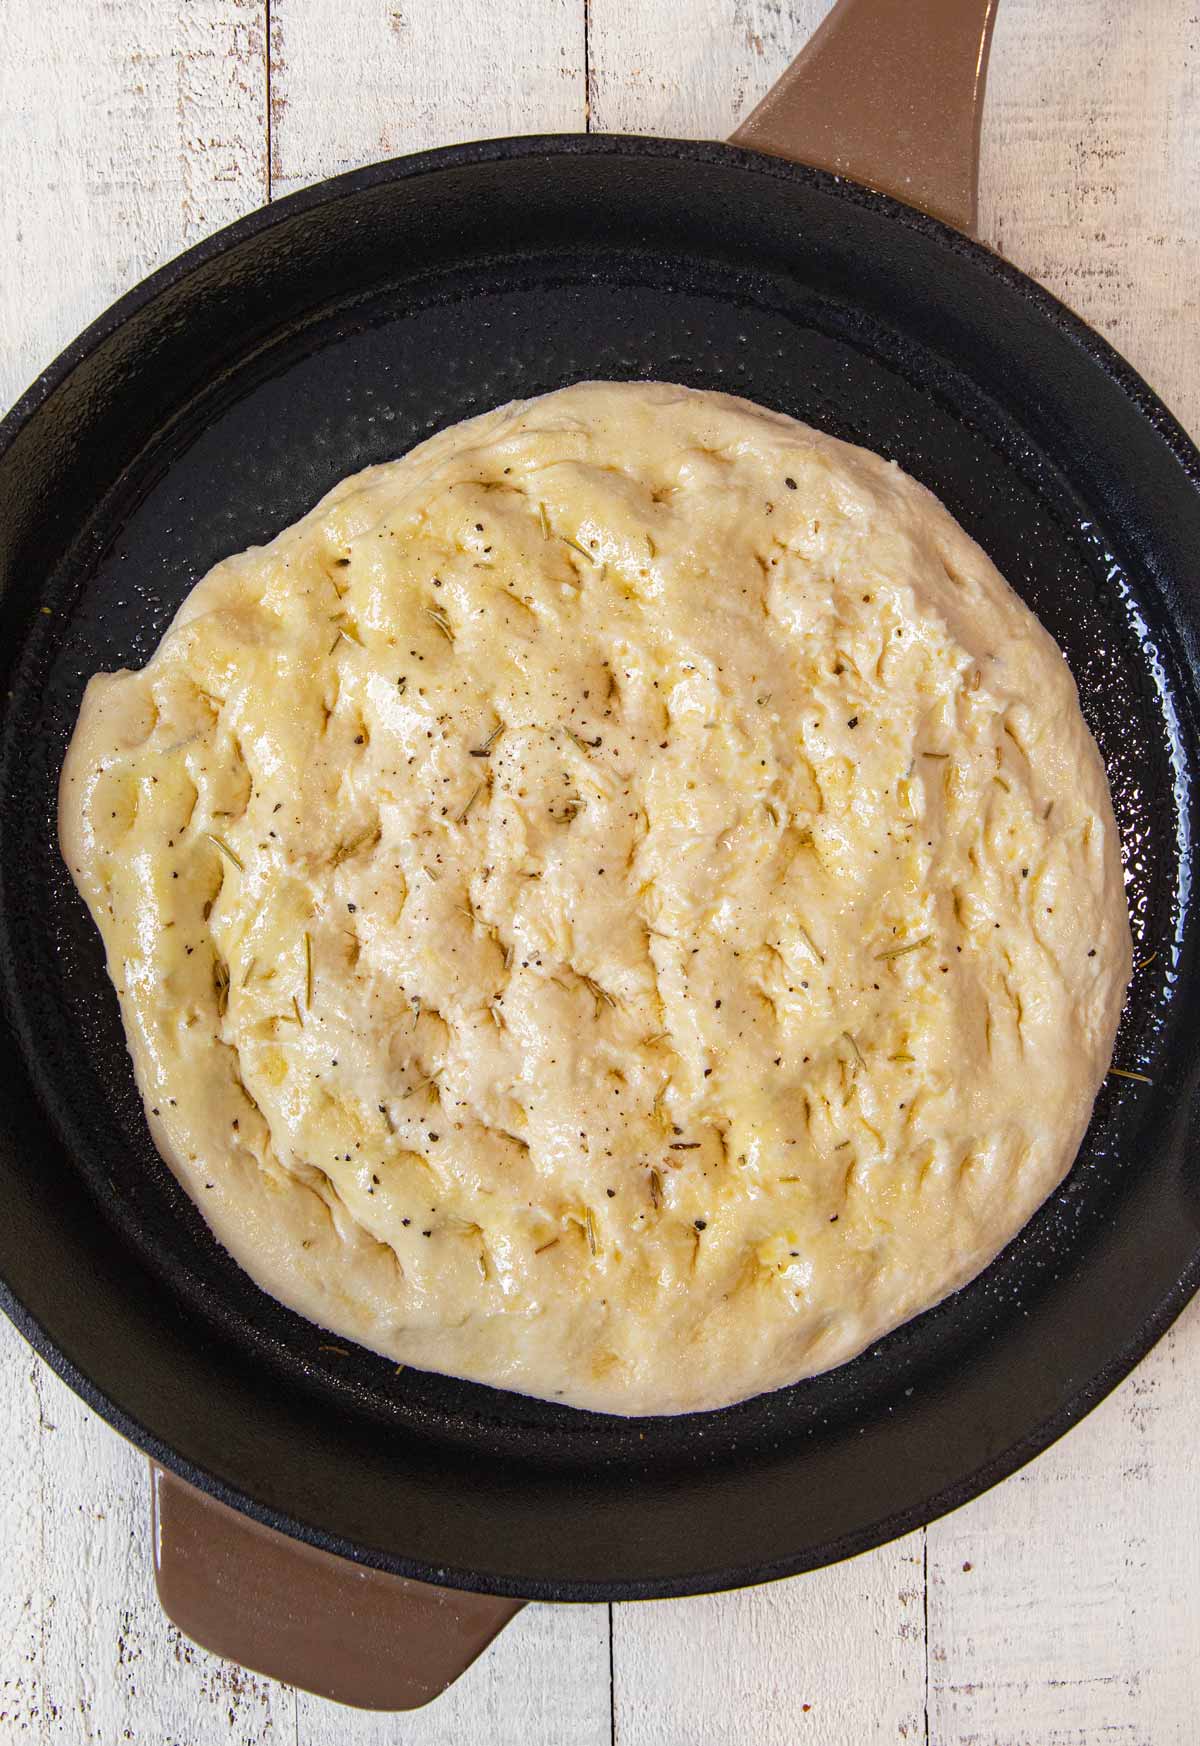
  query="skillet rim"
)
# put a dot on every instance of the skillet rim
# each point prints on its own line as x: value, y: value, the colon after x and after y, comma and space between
x: 1046, y: 307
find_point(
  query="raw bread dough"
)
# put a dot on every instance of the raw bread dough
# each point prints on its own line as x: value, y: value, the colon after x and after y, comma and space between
x: 620, y: 904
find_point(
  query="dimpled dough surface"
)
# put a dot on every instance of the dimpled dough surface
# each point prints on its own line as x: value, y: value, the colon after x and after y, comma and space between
x: 620, y: 904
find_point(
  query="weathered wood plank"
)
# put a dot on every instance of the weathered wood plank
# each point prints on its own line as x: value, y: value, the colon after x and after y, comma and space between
x: 23, y: 1621
x: 130, y: 131
x: 543, y: 1682
x: 357, y: 80
x: 848, y: 1642
x: 692, y: 72
x: 1091, y: 141
x: 93, y: 1661
x: 836, y: 1657
x: 1079, y: 1619
x: 1063, y: 1605
x: 426, y: 74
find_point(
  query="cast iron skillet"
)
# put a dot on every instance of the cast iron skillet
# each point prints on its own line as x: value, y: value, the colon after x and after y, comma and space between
x: 210, y: 408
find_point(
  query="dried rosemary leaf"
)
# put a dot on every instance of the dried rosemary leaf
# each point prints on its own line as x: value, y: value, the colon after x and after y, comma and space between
x: 1125, y: 1073
x: 308, y: 971
x: 225, y: 850
x: 545, y: 521
x: 344, y: 851
x: 899, y: 951
x: 656, y: 1191
x: 441, y: 621
x: 857, y: 1051
x: 220, y: 976
x: 810, y: 942
x: 593, y: 1239
x: 484, y: 750
x: 582, y: 550
x: 427, y: 1084
x: 600, y: 995
x: 462, y: 817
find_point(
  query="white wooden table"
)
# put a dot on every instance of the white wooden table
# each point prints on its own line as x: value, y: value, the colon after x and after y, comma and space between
x: 1063, y: 1609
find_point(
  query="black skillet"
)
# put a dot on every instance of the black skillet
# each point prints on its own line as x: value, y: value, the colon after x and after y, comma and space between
x: 213, y: 405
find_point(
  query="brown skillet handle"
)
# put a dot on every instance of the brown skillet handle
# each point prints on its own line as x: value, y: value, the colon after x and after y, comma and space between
x: 890, y: 93
x: 306, y: 1617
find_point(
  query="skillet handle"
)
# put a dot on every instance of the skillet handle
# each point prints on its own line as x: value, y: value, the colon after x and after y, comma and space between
x: 304, y: 1616
x: 890, y: 93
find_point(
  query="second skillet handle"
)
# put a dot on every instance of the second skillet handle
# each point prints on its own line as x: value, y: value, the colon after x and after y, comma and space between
x: 296, y: 1613
x: 890, y: 93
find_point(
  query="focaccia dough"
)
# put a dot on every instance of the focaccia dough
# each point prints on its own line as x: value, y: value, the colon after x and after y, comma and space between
x: 620, y: 904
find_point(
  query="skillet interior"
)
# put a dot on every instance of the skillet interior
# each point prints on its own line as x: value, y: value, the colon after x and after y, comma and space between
x: 210, y: 409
